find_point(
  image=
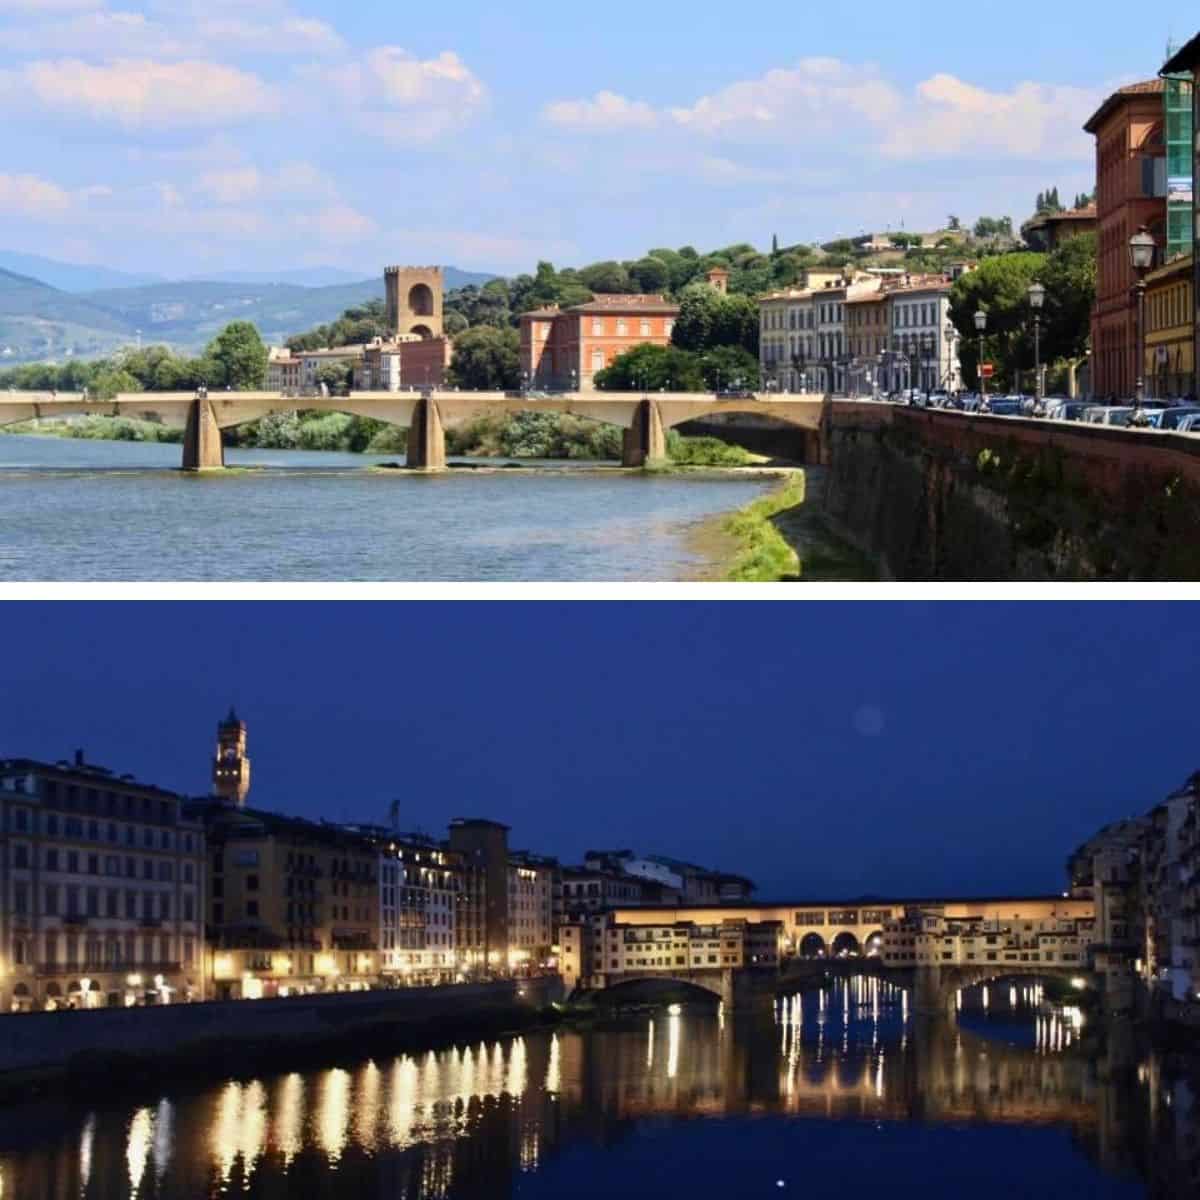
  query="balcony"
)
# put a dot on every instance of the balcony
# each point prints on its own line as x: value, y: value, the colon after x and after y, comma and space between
x: 75, y: 919
x: 150, y: 923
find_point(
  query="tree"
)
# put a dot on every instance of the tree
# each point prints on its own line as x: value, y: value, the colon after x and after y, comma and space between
x: 1000, y: 286
x: 774, y: 244
x: 990, y: 227
x: 652, y: 369
x: 953, y: 224
x: 239, y: 352
x: 697, y: 317
x: 487, y: 359
x: 607, y: 277
x: 736, y: 323
x: 650, y: 275
x: 336, y: 376
x: 729, y: 366
x: 1069, y: 276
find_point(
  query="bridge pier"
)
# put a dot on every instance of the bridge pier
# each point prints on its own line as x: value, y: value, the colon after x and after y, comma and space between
x: 426, y: 437
x: 645, y: 440
x: 203, y: 449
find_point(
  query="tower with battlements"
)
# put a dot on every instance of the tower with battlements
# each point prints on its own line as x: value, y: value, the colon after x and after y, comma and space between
x: 231, y: 764
x: 414, y: 301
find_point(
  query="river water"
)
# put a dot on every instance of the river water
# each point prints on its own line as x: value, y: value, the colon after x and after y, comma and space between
x: 77, y: 510
x: 835, y: 1094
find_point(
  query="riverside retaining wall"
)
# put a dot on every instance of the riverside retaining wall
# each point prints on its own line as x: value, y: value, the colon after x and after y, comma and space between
x: 48, y: 1041
x: 944, y: 496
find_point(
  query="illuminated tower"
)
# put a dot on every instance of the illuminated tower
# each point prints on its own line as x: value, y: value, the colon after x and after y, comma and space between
x: 231, y: 764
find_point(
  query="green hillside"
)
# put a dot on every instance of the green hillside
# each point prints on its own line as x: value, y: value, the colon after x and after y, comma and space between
x: 39, y: 322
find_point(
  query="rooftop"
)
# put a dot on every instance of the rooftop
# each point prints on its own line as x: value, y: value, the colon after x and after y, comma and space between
x: 79, y: 769
x: 1147, y: 87
x: 1188, y: 59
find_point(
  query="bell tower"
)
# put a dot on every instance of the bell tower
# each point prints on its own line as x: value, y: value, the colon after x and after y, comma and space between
x: 231, y: 764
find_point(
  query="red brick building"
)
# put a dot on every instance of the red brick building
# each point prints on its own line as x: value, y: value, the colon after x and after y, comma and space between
x: 562, y: 349
x: 1131, y: 190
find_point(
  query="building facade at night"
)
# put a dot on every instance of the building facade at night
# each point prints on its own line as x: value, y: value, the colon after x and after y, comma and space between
x: 102, y: 890
x: 595, y: 950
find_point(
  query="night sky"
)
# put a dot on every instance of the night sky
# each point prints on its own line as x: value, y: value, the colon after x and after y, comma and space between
x: 826, y: 750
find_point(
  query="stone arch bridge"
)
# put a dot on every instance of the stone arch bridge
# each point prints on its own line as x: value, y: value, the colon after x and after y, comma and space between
x: 735, y: 987
x: 426, y: 415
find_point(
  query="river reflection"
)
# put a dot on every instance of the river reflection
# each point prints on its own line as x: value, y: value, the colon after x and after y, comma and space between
x: 827, y: 1085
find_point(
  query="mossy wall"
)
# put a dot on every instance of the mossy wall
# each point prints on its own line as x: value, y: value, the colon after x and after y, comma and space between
x: 953, y: 500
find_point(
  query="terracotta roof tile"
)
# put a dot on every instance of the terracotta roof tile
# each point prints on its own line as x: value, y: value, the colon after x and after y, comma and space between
x: 1147, y: 87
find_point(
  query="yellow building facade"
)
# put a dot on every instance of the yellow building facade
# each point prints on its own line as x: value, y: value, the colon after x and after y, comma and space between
x: 834, y: 929
x: 1170, y: 331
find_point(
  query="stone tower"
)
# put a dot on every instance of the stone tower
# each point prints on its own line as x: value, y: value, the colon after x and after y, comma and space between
x: 718, y: 280
x: 231, y: 765
x: 414, y: 301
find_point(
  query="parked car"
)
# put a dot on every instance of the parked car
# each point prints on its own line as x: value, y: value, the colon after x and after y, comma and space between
x: 939, y: 399
x: 1170, y: 418
x: 1189, y: 424
x: 1068, y: 410
x: 1004, y: 406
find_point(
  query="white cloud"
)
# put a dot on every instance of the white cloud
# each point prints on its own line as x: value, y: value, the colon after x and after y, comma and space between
x: 828, y: 106
x: 399, y: 97
x: 31, y: 196
x: 606, y: 112
x: 285, y: 35
x: 1037, y: 121
x: 142, y: 93
x: 817, y: 96
x: 95, y: 34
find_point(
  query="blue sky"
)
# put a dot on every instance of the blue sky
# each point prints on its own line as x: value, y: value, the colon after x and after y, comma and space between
x: 826, y: 750
x: 180, y: 135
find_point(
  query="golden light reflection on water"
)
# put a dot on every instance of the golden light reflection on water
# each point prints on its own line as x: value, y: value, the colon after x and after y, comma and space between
x: 445, y: 1121
x: 333, y: 1113
x: 287, y: 1135
x: 137, y: 1149
x: 87, y: 1141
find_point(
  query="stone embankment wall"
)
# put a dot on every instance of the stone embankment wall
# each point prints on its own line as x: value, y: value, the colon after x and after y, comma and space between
x: 36, y: 1042
x: 942, y: 496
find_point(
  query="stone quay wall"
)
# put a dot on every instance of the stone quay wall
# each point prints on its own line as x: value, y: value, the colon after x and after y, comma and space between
x: 37, y: 1042
x: 943, y: 496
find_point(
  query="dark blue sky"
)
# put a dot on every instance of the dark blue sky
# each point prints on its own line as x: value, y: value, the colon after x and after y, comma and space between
x: 823, y: 749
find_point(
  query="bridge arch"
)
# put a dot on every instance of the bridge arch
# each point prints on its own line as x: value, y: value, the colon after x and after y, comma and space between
x: 873, y: 944
x: 701, y: 985
x: 845, y: 944
x: 812, y: 945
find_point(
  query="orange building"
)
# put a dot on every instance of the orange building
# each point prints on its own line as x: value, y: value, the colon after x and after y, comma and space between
x: 1131, y: 190
x: 562, y: 349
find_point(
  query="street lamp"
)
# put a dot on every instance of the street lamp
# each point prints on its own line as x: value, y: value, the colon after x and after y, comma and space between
x: 1037, y: 298
x: 1141, y: 258
x: 980, y: 328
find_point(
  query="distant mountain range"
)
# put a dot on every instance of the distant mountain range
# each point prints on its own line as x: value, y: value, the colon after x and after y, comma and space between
x: 45, y: 320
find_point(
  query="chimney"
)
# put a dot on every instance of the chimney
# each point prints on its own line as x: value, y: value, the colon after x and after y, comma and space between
x: 79, y: 758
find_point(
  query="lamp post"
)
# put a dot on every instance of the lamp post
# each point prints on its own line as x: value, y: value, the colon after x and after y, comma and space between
x: 1037, y: 298
x: 1141, y: 258
x: 981, y: 328
x: 951, y: 338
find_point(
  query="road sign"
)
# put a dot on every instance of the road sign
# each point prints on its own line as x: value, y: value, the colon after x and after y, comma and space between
x: 987, y: 370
